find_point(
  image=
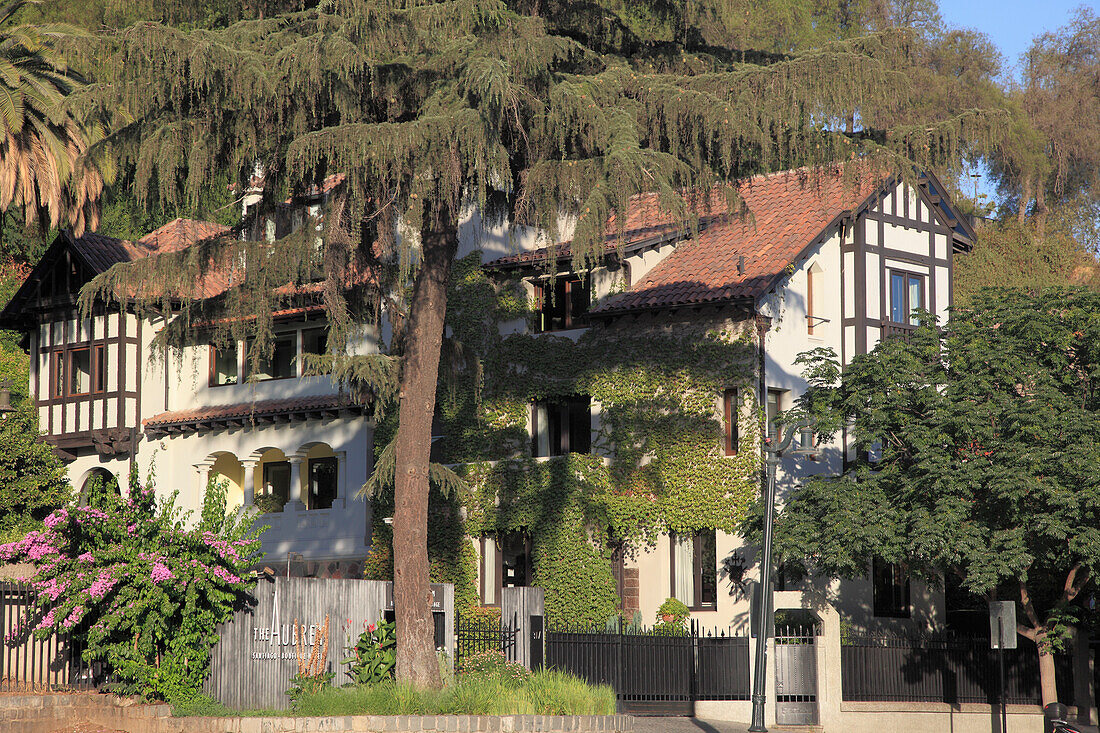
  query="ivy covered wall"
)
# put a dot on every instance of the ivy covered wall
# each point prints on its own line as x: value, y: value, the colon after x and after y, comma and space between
x: 657, y: 461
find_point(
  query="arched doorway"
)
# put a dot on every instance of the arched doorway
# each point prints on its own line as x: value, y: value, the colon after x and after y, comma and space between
x: 98, y: 488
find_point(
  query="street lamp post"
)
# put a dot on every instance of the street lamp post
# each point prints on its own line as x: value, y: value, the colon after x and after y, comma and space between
x: 764, y: 587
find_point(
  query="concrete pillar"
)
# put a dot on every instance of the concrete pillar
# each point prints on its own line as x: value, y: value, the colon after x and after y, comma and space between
x: 1082, y: 677
x: 249, y: 486
x: 298, y: 496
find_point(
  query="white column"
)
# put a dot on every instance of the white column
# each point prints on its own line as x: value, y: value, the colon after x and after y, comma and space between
x: 249, y: 487
x: 298, y: 496
x: 202, y: 472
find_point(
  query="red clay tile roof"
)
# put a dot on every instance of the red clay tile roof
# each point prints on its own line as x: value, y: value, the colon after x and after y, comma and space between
x: 789, y: 211
x: 645, y: 222
x: 101, y: 252
x: 179, y: 234
x: 246, y: 411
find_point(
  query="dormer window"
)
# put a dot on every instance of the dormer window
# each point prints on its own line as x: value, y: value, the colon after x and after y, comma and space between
x: 562, y: 303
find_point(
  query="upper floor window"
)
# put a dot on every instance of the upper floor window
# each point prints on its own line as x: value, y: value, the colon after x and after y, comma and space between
x: 694, y: 565
x: 99, y: 368
x: 276, y: 477
x: 224, y: 365
x: 314, y: 341
x: 560, y: 426
x: 282, y: 362
x: 729, y: 417
x: 562, y: 303
x: 890, y: 589
x: 78, y: 371
x: 906, y: 296
x: 57, y: 374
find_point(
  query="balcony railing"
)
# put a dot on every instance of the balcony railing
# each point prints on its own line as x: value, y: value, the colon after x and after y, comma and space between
x: 897, y: 330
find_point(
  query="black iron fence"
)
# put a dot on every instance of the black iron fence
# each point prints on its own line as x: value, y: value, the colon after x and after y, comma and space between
x: 29, y: 664
x: 479, y: 635
x: 655, y: 672
x: 942, y: 669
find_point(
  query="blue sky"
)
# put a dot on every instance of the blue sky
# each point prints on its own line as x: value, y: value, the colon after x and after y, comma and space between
x: 1011, y: 24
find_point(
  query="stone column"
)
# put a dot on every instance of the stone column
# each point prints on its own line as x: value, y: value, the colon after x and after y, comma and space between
x: 249, y: 486
x: 202, y: 472
x: 298, y: 496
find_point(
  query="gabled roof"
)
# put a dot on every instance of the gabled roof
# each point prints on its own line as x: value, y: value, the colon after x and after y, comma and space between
x: 98, y: 253
x: 179, y: 234
x: 645, y: 223
x: 740, y: 258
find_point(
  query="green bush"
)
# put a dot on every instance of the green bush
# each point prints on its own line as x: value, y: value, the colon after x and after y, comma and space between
x: 141, y: 590
x: 374, y: 655
x: 492, y: 664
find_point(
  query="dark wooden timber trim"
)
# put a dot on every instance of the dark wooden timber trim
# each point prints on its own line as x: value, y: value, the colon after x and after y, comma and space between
x: 843, y: 294
x: 932, y: 304
x: 120, y: 342
x: 910, y: 223
x: 139, y: 377
x: 860, y: 289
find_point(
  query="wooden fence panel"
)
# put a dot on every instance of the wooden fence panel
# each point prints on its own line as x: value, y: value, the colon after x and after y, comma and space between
x: 256, y: 655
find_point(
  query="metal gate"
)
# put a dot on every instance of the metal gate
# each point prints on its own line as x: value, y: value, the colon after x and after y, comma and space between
x: 795, y: 676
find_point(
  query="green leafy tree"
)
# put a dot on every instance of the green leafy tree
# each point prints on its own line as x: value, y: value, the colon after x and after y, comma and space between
x: 430, y: 108
x: 1009, y: 254
x: 32, y: 477
x: 141, y: 589
x: 987, y: 459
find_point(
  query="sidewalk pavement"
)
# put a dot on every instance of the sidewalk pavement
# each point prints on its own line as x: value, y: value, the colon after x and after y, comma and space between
x: 657, y: 724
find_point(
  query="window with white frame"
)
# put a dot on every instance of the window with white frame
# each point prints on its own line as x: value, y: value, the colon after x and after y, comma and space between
x: 694, y: 565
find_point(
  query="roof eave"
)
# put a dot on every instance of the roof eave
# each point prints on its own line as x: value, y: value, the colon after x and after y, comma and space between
x: 747, y: 300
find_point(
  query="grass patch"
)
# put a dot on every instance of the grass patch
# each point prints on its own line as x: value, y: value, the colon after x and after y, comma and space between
x: 207, y: 707
x: 542, y: 693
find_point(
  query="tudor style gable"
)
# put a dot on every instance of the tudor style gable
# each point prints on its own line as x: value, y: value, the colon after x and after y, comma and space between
x: 84, y: 372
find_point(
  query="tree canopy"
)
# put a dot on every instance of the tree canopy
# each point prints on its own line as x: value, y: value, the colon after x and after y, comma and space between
x: 979, y: 458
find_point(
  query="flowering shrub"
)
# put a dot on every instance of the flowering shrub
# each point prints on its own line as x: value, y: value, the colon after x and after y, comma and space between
x: 374, y: 655
x: 492, y: 663
x: 142, y: 590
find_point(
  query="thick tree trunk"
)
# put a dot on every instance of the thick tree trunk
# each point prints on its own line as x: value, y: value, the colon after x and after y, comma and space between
x: 1025, y: 199
x: 416, y: 657
x: 1047, y: 676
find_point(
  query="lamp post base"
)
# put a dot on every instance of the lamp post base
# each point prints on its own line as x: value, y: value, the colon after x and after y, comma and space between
x: 757, y: 725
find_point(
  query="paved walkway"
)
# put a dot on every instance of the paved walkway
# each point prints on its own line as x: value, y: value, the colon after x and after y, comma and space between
x: 685, y: 725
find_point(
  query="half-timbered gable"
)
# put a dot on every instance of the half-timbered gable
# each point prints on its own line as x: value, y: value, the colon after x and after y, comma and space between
x: 85, y: 372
